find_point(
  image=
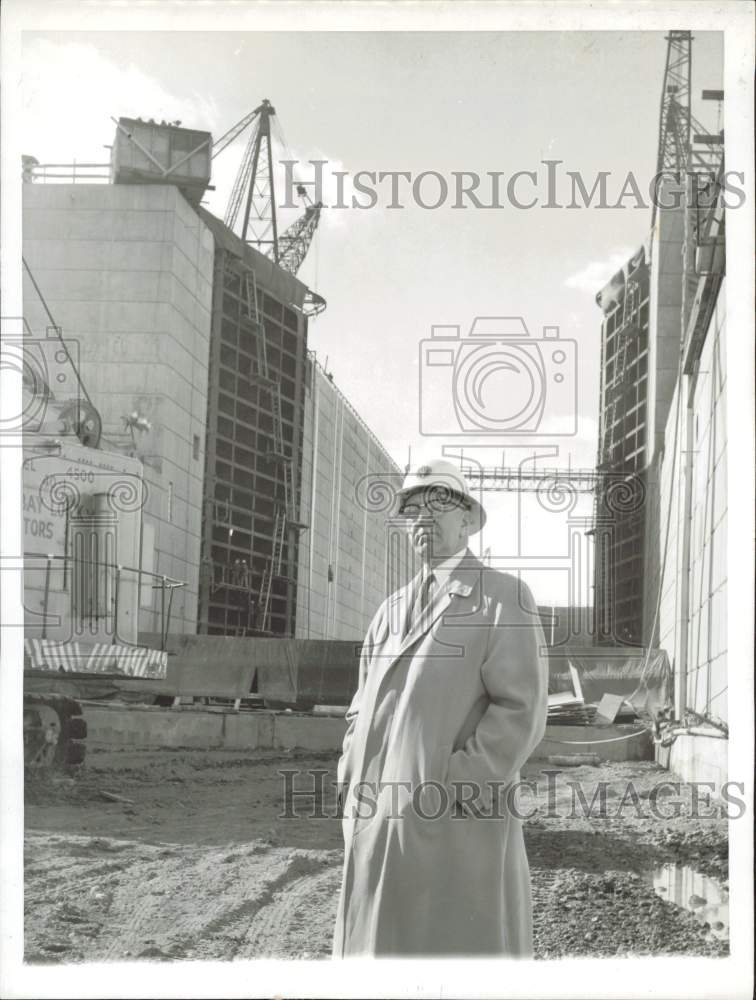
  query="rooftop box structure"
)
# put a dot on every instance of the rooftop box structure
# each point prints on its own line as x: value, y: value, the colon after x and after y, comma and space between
x: 161, y: 153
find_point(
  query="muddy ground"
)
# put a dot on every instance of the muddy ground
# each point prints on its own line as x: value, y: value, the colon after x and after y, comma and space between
x: 186, y: 854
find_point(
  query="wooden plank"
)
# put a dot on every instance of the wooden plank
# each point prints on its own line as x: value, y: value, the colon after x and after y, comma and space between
x: 608, y: 709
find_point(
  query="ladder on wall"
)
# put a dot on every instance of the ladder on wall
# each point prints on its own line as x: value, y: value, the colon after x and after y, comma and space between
x: 262, y: 376
x: 286, y: 513
x: 272, y: 569
x: 253, y: 315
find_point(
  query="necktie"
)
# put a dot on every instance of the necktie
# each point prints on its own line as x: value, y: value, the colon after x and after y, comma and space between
x: 422, y: 601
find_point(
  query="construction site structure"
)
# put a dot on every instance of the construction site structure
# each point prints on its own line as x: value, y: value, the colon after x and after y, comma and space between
x: 83, y: 581
x: 198, y: 364
x: 619, y: 528
x: 252, y: 209
x: 529, y: 478
x: 255, y: 411
x: 150, y: 152
x: 255, y: 418
x: 641, y: 343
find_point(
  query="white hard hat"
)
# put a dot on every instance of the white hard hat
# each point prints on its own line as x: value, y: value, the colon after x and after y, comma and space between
x: 440, y: 472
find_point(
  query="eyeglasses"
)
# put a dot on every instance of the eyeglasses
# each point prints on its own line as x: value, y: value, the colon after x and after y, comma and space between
x: 434, y: 504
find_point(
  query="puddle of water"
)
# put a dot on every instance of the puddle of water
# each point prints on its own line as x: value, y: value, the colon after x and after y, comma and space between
x: 706, y: 898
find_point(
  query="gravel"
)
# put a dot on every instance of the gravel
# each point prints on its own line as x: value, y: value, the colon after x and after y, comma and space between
x: 612, y: 914
x: 203, y: 862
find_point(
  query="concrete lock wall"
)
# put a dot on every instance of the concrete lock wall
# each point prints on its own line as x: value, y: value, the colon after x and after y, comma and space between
x: 693, y: 611
x: 285, y: 672
x: 342, y: 556
x: 204, y: 729
x: 702, y: 585
x: 664, y: 323
x: 127, y: 273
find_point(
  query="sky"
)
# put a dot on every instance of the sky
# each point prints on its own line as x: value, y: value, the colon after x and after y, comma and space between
x: 413, y: 101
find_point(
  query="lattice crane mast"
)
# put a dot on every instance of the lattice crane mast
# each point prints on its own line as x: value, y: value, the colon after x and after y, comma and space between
x: 254, y: 188
x: 686, y: 151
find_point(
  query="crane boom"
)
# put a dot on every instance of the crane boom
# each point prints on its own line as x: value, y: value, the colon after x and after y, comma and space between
x: 295, y: 241
x: 236, y: 130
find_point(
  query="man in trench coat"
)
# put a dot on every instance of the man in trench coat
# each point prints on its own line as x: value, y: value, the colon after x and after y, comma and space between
x: 451, y: 702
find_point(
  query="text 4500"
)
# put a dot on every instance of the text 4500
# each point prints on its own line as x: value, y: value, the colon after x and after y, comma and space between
x: 83, y: 475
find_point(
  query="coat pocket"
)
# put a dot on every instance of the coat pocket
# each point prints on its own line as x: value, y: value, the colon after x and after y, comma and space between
x: 441, y: 762
x: 434, y: 796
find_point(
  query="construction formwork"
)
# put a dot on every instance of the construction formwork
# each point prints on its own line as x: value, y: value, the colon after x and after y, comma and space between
x: 250, y: 531
x: 619, y: 522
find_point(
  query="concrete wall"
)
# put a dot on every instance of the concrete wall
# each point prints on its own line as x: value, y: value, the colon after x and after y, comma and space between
x: 700, y: 758
x: 127, y: 272
x: 693, y: 610
x: 113, y: 725
x: 342, y: 555
x: 664, y: 323
x: 139, y: 726
x: 702, y: 585
x: 282, y: 671
x: 701, y: 433
x: 707, y: 642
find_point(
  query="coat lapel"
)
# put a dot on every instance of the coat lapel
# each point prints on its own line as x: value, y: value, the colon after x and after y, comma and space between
x: 463, y: 582
x: 439, y: 604
x: 387, y: 649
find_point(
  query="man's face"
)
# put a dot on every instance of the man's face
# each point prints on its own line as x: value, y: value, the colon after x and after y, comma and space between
x: 438, y: 522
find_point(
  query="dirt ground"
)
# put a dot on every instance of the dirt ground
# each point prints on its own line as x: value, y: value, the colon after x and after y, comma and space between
x: 187, y: 854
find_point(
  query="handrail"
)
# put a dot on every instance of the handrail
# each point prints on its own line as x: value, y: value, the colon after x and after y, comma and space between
x: 39, y: 173
x: 169, y: 580
x: 163, y: 583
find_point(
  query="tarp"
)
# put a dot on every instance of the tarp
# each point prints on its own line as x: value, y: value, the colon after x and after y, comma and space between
x: 95, y: 658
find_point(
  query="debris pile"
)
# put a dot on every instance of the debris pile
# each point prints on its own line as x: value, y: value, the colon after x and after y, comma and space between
x: 569, y: 708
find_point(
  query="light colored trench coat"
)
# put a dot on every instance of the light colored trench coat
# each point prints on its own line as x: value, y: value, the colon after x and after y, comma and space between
x: 460, y: 699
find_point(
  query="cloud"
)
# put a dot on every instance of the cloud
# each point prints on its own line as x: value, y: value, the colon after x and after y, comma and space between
x: 226, y: 166
x: 592, y: 278
x: 70, y: 91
